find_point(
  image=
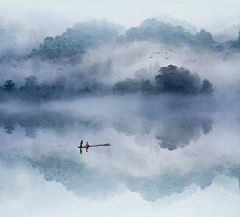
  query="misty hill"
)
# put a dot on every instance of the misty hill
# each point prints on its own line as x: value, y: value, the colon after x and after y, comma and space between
x: 83, y: 36
x: 230, y: 46
x: 168, y: 18
x: 160, y: 32
x: 72, y: 44
x: 230, y: 33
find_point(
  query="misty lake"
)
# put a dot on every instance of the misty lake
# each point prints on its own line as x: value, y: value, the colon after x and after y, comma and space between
x: 163, y: 160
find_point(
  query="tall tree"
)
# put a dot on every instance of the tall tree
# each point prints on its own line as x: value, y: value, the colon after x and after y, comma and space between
x: 9, y: 85
x: 31, y: 81
x: 207, y: 87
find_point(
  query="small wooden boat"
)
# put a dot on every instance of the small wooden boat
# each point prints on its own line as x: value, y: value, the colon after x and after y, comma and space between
x: 107, y: 144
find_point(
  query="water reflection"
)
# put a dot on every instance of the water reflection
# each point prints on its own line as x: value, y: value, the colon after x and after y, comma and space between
x: 172, y: 131
x: 179, y: 131
x: 153, y: 188
x: 139, y: 161
x: 33, y: 121
x: 94, y: 183
x: 76, y: 177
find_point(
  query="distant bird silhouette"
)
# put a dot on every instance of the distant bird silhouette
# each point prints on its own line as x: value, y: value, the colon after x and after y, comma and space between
x: 166, y: 58
x: 150, y: 57
x: 170, y: 49
x: 166, y: 52
x: 158, y: 52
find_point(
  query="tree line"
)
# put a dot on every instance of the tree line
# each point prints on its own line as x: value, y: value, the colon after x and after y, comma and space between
x: 171, y: 79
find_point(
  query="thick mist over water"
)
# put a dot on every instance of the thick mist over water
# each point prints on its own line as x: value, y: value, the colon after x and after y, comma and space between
x: 171, y: 154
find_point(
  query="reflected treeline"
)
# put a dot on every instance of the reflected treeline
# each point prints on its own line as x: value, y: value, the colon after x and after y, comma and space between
x: 93, y: 183
x: 172, y: 130
x: 88, y: 182
x: 153, y: 188
x: 180, y: 131
x: 44, y: 120
x: 75, y: 176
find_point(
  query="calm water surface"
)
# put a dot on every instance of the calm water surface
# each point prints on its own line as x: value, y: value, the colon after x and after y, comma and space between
x: 161, y: 162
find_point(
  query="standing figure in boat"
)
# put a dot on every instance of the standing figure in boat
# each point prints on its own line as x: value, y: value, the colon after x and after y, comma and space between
x: 81, y: 144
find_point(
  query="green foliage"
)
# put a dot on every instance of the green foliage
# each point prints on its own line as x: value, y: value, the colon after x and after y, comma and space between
x: 181, y: 89
x: 177, y: 80
x: 127, y: 86
x: 146, y: 87
x: 45, y: 92
x: 229, y: 46
x: 207, y: 87
x: 95, y: 33
x: 99, y: 88
x: 229, y: 33
x: 157, y: 31
x: 205, y: 37
x: 72, y: 44
x: 59, y: 48
x: 31, y: 81
x: 9, y: 85
x: 170, y: 80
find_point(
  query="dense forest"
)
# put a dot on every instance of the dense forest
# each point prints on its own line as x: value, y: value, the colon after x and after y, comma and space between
x: 66, y: 51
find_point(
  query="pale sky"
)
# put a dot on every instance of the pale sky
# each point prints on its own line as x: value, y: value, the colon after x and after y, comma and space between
x: 210, y: 15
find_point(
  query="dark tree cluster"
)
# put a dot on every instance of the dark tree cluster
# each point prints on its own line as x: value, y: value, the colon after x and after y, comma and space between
x: 179, y: 80
x: 34, y: 92
x: 171, y: 79
x: 127, y: 86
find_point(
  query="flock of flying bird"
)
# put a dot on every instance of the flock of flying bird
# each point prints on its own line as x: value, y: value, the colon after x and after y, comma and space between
x: 160, y: 53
